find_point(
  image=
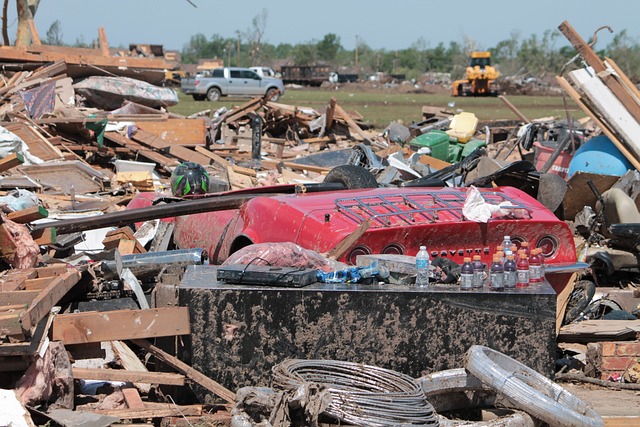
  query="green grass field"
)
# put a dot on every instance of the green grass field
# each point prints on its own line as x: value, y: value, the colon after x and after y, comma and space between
x: 381, y: 108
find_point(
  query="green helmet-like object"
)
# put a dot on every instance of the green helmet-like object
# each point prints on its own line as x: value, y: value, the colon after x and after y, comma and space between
x: 189, y: 178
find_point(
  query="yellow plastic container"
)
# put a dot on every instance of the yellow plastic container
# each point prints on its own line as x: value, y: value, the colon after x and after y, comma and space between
x: 463, y: 126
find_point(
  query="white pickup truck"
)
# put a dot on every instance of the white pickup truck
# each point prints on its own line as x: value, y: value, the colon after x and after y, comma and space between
x: 231, y: 81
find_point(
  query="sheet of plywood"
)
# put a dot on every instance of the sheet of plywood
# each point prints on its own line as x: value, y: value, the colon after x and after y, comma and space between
x: 187, y: 132
x: 78, y: 328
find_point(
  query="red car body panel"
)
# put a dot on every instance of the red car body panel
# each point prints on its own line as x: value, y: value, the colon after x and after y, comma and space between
x: 390, y: 220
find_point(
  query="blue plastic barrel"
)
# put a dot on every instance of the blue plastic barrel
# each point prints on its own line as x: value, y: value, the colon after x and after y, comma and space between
x: 599, y: 156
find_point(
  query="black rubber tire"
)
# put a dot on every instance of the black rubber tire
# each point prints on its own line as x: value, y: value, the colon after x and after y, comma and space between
x: 581, y: 296
x: 275, y: 96
x: 214, y: 94
x: 198, y: 97
x: 352, y: 177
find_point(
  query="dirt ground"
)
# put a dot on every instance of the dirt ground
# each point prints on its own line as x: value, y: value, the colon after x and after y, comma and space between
x: 606, y: 401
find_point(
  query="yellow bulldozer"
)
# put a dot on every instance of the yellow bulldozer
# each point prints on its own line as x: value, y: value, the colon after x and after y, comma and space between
x: 480, y: 79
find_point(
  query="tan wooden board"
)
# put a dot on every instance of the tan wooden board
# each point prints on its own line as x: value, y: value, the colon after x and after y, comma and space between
x: 187, y: 132
x: 167, y: 378
x: 77, y: 328
x: 38, y: 145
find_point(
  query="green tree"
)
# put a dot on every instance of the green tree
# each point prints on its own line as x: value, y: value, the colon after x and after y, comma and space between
x: 305, y: 54
x: 54, y: 34
x: 329, y: 47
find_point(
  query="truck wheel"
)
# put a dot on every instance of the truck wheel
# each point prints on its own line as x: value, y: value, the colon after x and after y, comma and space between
x: 352, y: 177
x: 213, y: 94
x: 198, y: 97
x: 273, y: 94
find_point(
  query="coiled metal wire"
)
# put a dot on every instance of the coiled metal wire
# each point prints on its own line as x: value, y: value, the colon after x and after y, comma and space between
x: 362, y: 395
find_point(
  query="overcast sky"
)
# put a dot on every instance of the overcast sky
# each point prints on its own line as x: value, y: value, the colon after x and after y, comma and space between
x: 380, y: 24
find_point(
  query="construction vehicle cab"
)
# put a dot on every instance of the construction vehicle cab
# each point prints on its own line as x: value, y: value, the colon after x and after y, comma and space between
x: 481, y: 76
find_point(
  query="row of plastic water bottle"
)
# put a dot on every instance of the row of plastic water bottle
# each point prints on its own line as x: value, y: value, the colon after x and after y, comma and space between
x: 510, y: 268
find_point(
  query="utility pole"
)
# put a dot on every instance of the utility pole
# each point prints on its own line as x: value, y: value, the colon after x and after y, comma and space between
x: 238, y: 50
x: 356, y: 51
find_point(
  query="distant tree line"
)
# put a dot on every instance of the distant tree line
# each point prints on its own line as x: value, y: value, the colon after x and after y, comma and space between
x: 535, y: 56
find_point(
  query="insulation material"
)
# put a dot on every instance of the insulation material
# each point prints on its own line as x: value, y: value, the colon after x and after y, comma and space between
x: 17, y: 246
x: 283, y: 254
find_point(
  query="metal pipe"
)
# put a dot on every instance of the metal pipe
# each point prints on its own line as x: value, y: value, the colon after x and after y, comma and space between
x: 151, y: 263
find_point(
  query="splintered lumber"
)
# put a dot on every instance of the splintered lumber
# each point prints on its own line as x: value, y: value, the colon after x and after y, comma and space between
x: 130, y: 362
x: 141, y: 150
x: 48, y: 298
x: 243, y: 110
x: 352, y: 124
x: 78, y: 328
x: 153, y: 411
x: 11, y: 161
x: 133, y: 400
x: 187, y: 154
x: 25, y: 216
x: 599, y: 330
x: 331, y: 109
x: 166, y: 378
x: 185, y: 132
x: 187, y: 370
x: 608, y: 78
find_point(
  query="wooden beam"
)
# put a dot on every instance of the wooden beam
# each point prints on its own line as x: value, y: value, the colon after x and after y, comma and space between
x: 77, y: 328
x: 130, y: 361
x: 622, y: 421
x: 213, y: 156
x: 352, y: 124
x: 187, y: 370
x: 170, y: 410
x: 166, y: 378
x: 601, y: 70
x: 35, y: 37
x: 11, y: 161
x: 17, y: 297
x: 132, y: 398
x: 48, y: 298
x: 627, y: 82
x: 331, y: 109
x: 45, y: 236
x: 187, y: 155
x: 104, y: 43
x: 25, y: 216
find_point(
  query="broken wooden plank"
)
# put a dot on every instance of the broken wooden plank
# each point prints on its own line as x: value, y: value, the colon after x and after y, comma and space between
x: 38, y: 145
x: 11, y: 161
x: 590, y: 56
x: 103, y: 41
x: 187, y: 370
x: 242, y: 110
x: 27, y: 215
x: 165, y: 162
x: 45, y: 236
x: 167, y: 410
x: 187, y: 155
x: 599, y: 330
x: 17, y: 297
x: 329, y: 113
x: 48, y: 298
x: 77, y: 328
x: 174, y: 131
x: 351, y: 123
x: 166, y: 378
x: 132, y: 398
x: 131, y: 363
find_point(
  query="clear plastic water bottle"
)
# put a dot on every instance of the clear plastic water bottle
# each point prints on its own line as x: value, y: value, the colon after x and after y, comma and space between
x: 506, y: 244
x: 422, y: 267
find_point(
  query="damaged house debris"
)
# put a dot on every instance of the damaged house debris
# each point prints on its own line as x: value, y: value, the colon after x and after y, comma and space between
x: 261, y: 265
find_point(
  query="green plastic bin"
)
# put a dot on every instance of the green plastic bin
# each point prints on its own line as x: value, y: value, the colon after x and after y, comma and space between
x: 436, y: 140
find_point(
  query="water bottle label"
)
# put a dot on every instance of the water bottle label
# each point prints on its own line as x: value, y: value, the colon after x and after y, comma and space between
x: 523, y: 277
x: 422, y: 263
x: 497, y: 280
x: 478, y: 279
x: 535, y: 273
x: 466, y: 281
x: 510, y: 279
